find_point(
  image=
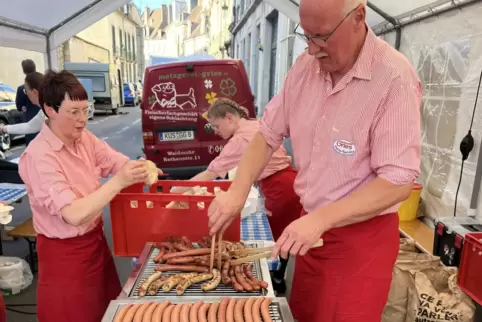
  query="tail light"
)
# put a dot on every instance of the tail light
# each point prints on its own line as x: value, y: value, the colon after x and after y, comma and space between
x: 148, y: 138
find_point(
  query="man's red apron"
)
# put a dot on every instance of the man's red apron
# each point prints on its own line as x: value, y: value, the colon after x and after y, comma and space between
x: 3, y: 310
x: 348, y: 278
x: 77, y: 278
x: 281, y: 199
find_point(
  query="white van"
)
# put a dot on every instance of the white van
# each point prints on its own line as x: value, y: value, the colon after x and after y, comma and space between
x: 106, y: 91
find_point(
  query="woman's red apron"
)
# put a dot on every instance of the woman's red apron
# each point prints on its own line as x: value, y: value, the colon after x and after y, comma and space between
x: 3, y: 310
x: 348, y: 279
x: 77, y: 278
x: 281, y: 199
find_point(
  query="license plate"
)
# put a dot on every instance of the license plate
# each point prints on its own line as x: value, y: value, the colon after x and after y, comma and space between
x: 176, y: 136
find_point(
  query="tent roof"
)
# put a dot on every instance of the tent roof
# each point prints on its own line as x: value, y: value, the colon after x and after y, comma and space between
x: 402, y: 10
x: 31, y: 24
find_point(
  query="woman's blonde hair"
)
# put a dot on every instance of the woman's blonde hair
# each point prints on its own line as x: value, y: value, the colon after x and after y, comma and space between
x: 223, y: 106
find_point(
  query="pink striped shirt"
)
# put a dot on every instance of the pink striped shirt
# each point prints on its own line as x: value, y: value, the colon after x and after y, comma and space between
x: 56, y: 175
x: 229, y: 158
x: 367, y: 126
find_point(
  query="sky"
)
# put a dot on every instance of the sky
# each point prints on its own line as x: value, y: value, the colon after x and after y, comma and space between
x: 150, y: 3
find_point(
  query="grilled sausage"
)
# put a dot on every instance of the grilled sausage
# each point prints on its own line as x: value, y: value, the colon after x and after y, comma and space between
x: 213, y: 312
x: 265, y: 310
x: 131, y: 312
x: 186, y: 241
x: 238, y: 311
x: 194, y: 311
x: 241, y: 280
x: 201, y: 278
x: 250, y: 275
x: 212, y: 284
x: 181, y: 268
x: 225, y: 273
x: 181, y: 260
x: 248, y: 308
x: 183, y: 285
x: 230, y: 310
x: 176, y: 313
x: 253, y: 282
x: 186, y: 308
x: 181, y: 247
x: 238, y: 287
x: 191, y: 252
x: 145, y: 285
x: 149, y: 312
x: 171, y: 283
x: 158, y: 259
x: 256, y: 310
x: 202, y: 313
x: 140, y: 312
x: 119, y: 317
x: 222, y: 310
x: 157, y: 315
x: 166, y: 315
x: 154, y: 287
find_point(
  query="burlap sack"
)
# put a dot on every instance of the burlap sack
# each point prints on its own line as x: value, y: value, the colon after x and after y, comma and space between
x: 407, y: 245
x: 435, y: 297
x: 403, y: 276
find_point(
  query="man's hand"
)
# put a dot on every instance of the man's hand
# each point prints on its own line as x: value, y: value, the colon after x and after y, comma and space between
x: 299, y: 236
x: 222, y: 211
x: 132, y: 172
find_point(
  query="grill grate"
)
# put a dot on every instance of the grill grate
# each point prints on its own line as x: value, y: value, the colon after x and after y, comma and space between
x: 195, y: 289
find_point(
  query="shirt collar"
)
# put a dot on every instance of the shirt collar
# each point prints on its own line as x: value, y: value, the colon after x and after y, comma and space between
x: 52, y: 139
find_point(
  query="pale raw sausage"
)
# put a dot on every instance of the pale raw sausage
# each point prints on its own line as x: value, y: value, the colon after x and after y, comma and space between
x: 238, y: 311
x: 194, y: 311
x: 157, y: 315
x: 248, y: 308
x: 166, y: 315
x: 202, y: 313
x: 186, y: 308
x: 230, y: 310
x: 213, y: 312
x: 265, y: 310
x: 223, y: 307
x: 256, y: 311
x: 131, y: 312
x: 140, y: 312
x: 149, y: 312
x: 176, y: 313
x: 120, y: 316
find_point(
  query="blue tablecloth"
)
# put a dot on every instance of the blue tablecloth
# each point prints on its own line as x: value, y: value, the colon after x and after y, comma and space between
x: 255, y: 227
x: 12, y: 192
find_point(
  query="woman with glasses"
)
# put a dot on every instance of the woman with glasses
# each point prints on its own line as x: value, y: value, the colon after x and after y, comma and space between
x: 61, y: 169
x: 31, y: 89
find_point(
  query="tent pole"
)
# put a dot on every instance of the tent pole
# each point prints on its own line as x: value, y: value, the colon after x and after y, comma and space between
x: 430, y: 15
x: 396, y: 25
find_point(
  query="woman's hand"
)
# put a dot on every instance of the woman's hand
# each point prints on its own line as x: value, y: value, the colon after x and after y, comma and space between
x: 132, y: 172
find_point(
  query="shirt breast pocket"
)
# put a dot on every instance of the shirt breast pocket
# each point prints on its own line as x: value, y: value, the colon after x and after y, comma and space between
x: 348, y: 144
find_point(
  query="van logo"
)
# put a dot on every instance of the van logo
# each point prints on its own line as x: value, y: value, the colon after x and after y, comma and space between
x: 168, y: 97
x: 344, y: 147
x: 228, y: 87
x: 205, y: 115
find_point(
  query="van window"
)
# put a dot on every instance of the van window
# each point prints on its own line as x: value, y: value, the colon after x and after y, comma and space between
x: 98, y: 82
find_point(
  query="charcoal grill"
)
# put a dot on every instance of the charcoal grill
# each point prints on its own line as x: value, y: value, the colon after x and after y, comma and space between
x: 145, y: 267
x: 279, y: 309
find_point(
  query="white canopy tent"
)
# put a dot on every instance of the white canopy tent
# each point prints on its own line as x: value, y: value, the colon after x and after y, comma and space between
x: 43, y: 25
x: 443, y: 41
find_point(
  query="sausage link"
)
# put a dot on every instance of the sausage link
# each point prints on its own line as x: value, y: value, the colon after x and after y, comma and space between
x: 131, y: 312
x: 145, y: 285
x: 253, y: 284
x: 203, y: 312
x: 213, y: 312
x: 225, y: 273
x: 157, y: 315
x: 238, y: 287
x: 248, y: 271
x: 191, y: 252
x: 119, y: 317
x: 185, y: 312
x: 181, y: 268
x: 248, y: 308
x: 265, y: 310
x: 176, y: 313
x: 154, y: 287
x: 180, y: 247
x: 166, y: 315
x: 256, y: 310
x: 194, y: 311
x: 241, y: 280
x: 181, y: 260
x: 186, y: 241
x: 150, y: 310
x: 222, y: 310
x: 138, y: 317
x: 158, y: 259
x: 230, y: 310
x: 212, y: 284
x: 238, y: 311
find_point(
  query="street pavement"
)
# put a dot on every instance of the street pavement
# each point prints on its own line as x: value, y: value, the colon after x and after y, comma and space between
x: 123, y: 133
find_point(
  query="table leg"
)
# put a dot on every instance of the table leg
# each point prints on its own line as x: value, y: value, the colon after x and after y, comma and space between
x: 31, y: 255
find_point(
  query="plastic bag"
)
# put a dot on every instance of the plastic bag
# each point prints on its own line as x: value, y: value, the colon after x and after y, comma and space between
x: 15, y: 274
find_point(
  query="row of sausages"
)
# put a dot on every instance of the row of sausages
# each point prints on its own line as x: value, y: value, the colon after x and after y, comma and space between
x: 228, y: 310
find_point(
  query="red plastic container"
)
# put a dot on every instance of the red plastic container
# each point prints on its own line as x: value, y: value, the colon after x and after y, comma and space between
x: 470, y: 277
x: 138, y: 215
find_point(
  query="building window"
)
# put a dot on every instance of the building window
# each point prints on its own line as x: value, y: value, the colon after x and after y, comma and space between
x: 237, y: 52
x: 114, y: 51
x: 248, y: 55
x: 256, y: 57
x: 274, y: 45
x: 121, y: 44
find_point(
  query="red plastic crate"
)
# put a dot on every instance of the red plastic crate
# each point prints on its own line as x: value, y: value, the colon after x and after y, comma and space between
x: 139, y: 215
x: 470, y: 277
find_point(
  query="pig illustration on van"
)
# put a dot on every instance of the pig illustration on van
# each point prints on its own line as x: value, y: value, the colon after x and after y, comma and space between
x: 168, y: 97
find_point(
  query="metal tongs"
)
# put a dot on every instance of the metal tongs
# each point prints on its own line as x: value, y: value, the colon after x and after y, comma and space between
x: 258, y: 253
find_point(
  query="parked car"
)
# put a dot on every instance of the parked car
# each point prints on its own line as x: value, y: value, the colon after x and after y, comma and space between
x: 130, y: 95
x: 8, y: 114
x: 176, y: 134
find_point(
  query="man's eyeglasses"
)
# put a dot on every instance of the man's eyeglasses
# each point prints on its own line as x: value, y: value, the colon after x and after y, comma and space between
x: 319, y: 40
